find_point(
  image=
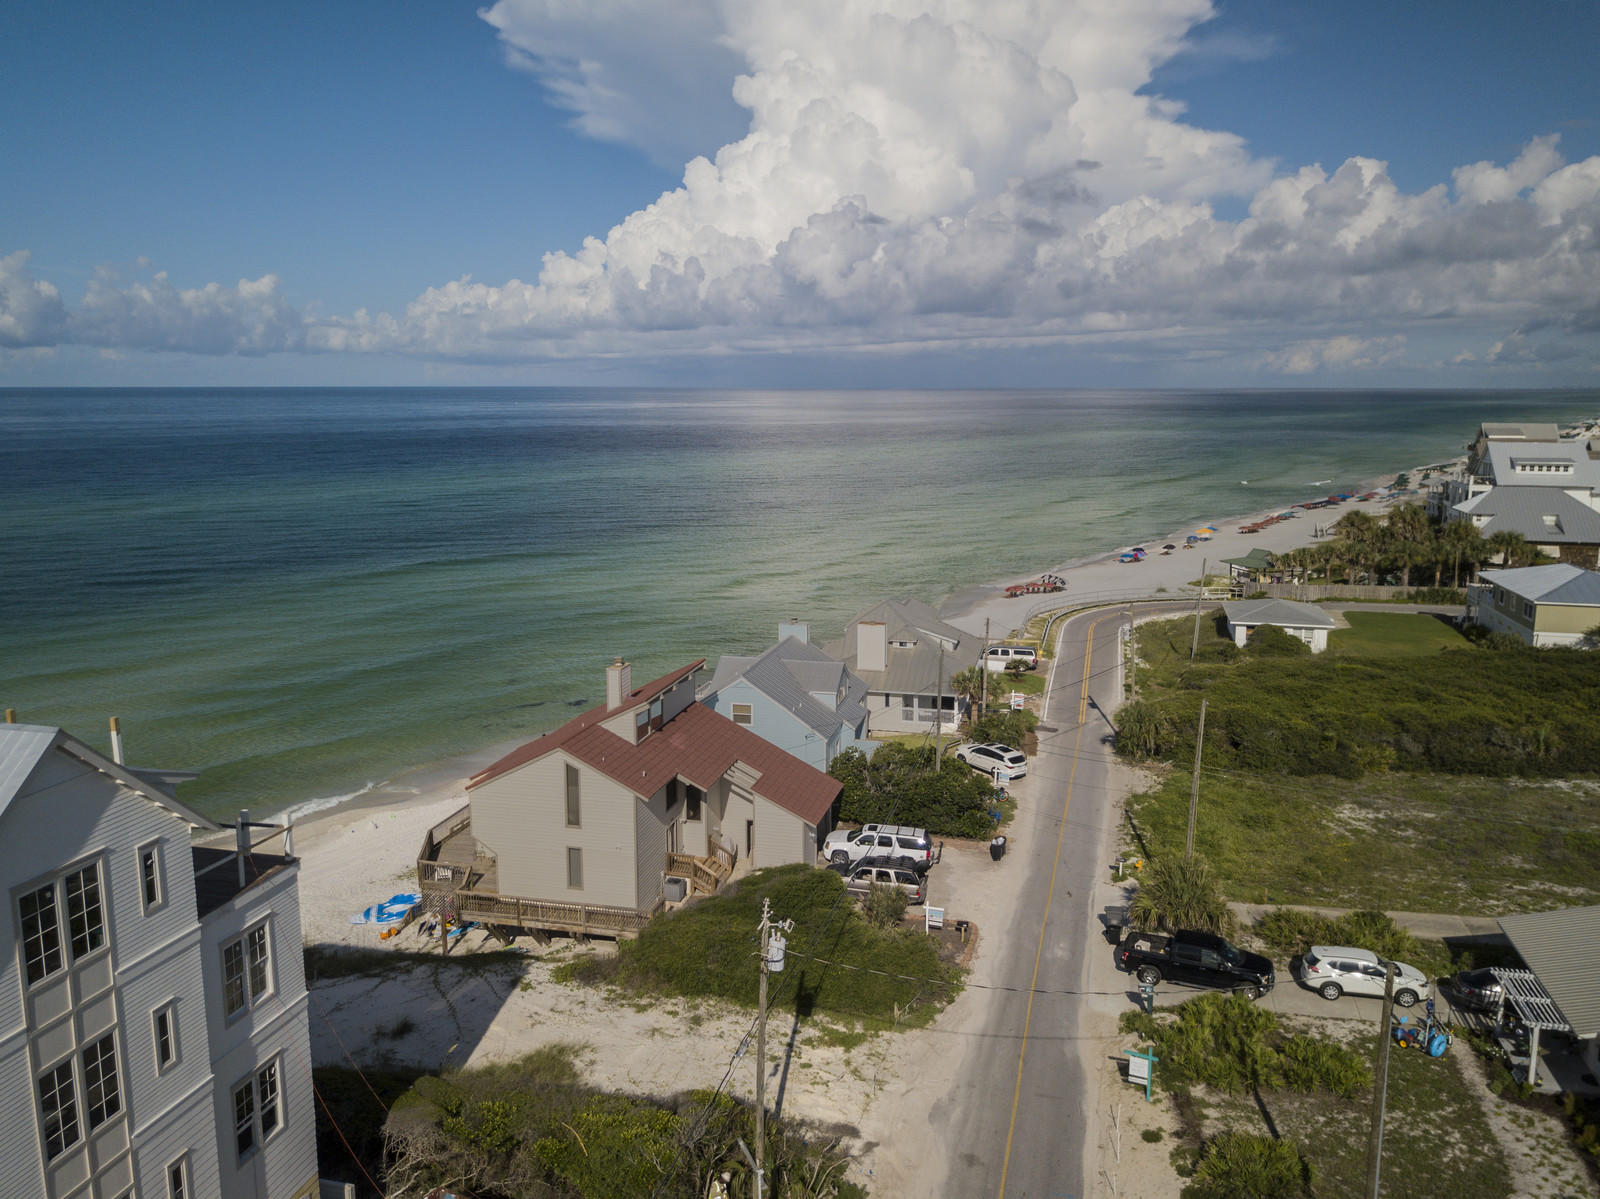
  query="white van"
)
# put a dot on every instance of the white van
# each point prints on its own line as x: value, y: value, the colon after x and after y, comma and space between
x: 998, y: 657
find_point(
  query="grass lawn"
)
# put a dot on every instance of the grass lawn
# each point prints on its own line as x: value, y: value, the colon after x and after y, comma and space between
x: 1394, y: 842
x: 1436, y: 1138
x: 1029, y: 682
x: 1373, y: 634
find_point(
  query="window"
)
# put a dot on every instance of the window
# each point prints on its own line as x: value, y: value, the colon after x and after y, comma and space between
x: 257, y: 1111
x: 85, y: 919
x: 41, y: 933
x: 575, y: 869
x: 693, y: 797
x: 574, y: 811
x: 245, y: 976
x: 150, y: 876
x: 100, y: 1081
x: 77, y: 895
x: 178, y: 1179
x: 742, y: 714
x: 1527, y: 609
x: 58, y: 1105
x: 165, y: 1020
x: 244, y: 1117
x: 267, y: 1097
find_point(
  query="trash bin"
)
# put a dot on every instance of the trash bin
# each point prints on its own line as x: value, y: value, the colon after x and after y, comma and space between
x: 997, y: 848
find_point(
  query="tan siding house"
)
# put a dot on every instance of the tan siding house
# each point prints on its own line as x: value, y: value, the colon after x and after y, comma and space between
x: 580, y: 829
x: 1543, y: 605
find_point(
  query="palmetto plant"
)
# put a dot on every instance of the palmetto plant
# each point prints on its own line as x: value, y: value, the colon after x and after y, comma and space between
x: 1179, y: 892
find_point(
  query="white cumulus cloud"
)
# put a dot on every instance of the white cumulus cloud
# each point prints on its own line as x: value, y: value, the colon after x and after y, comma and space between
x: 895, y: 174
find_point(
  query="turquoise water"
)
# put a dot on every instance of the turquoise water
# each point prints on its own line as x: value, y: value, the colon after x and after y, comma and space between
x: 305, y: 592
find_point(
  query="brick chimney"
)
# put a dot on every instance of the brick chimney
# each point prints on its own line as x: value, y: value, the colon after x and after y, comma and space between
x: 619, y: 684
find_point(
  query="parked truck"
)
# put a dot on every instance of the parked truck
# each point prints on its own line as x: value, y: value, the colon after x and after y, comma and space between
x: 1200, y: 959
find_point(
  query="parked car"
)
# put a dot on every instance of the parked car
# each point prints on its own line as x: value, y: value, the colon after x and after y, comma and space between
x: 1001, y: 761
x: 998, y: 657
x: 900, y: 844
x: 1335, y: 970
x: 860, y: 881
x: 1202, y: 959
x: 1478, y: 990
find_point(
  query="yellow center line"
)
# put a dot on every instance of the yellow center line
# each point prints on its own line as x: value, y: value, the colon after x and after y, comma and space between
x: 1038, y: 953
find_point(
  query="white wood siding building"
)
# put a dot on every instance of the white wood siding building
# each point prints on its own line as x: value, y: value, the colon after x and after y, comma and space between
x: 108, y: 1075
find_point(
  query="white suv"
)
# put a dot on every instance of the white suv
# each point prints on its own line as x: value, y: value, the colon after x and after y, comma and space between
x: 999, y: 760
x: 895, y: 844
x: 998, y: 657
x: 1333, y: 970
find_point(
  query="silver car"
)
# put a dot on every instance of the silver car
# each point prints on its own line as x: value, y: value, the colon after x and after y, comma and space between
x: 1335, y: 970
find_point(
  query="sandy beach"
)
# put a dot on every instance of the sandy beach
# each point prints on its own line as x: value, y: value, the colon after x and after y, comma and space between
x: 877, y: 1093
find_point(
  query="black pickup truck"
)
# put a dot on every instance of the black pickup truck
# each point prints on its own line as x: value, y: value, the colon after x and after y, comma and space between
x: 1202, y: 959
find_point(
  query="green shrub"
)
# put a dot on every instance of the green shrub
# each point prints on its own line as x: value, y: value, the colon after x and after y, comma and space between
x: 1179, y: 892
x: 1150, y: 1136
x: 1269, y: 641
x: 1237, y: 1165
x: 1013, y: 726
x: 1231, y: 1045
x: 901, y: 785
x: 1291, y: 932
x: 705, y: 949
x: 885, y: 905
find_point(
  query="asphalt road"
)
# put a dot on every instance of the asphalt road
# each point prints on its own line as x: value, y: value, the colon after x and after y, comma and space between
x: 1018, y: 1126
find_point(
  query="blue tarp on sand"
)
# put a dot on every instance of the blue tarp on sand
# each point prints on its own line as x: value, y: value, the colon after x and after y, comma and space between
x: 391, y: 911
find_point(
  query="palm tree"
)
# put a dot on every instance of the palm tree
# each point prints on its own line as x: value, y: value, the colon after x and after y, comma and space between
x: 1510, y: 547
x: 970, y: 685
x: 1461, y: 541
x: 1360, y: 531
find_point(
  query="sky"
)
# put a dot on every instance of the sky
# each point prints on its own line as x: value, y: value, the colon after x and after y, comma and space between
x: 802, y: 193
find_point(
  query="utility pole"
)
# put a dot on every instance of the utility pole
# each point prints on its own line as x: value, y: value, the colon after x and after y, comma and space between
x: 1195, y: 644
x: 938, y: 715
x: 1380, y: 1089
x: 983, y: 663
x: 772, y: 943
x: 1194, y: 786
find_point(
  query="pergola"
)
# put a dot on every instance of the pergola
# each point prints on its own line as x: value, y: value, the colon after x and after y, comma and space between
x: 1531, y: 1004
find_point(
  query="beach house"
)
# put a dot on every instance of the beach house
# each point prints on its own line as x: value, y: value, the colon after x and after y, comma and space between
x: 153, y: 1017
x: 795, y: 696
x: 1543, y: 605
x: 1306, y: 621
x: 907, y: 657
x: 594, y: 827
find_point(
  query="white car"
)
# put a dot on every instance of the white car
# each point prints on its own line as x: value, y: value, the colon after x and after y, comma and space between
x: 1335, y: 970
x: 993, y: 758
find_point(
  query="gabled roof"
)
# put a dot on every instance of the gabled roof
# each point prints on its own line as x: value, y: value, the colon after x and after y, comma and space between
x: 1557, y: 583
x: 1284, y: 613
x: 24, y: 746
x: 1541, y: 514
x: 697, y: 745
x: 789, y: 674
x: 1256, y: 559
x: 912, y: 670
x: 1505, y: 457
x: 1563, y: 949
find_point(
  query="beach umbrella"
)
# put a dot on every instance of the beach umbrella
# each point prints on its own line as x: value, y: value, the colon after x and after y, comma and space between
x: 1206, y: 529
x: 1169, y: 546
x: 1191, y: 539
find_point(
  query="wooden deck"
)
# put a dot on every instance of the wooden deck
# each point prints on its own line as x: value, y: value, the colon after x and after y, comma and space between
x: 538, y: 916
x: 460, y: 878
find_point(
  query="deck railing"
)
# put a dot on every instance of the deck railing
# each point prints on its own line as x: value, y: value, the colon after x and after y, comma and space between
x: 704, y: 874
x: 486, y: 907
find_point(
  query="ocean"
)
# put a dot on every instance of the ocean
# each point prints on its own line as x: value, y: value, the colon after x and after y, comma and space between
x: 306, y: 594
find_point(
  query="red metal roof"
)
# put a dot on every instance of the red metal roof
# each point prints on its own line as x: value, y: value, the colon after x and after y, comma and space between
x: 697, y: 745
